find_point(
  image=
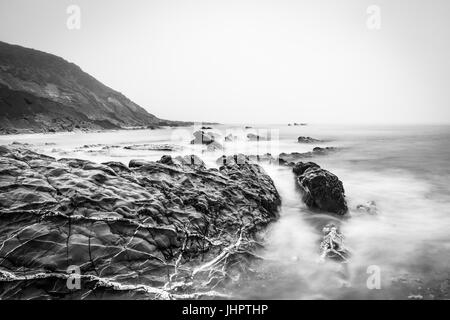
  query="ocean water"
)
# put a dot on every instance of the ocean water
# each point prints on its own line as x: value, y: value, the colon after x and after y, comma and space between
x: 401, y: 252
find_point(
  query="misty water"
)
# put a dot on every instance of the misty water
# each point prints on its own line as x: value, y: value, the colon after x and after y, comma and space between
x: 403, y: 169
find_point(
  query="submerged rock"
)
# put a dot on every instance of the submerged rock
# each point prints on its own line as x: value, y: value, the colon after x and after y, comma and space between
x: 214, y: 146
x: 369, y: 207
x: 321, y: 189
x: 153, y: 147
x: 291, y: 158
x: 332, y: 244
x: 302, y: 139
x: 166, y: 229
x: 267, y: 158
x: 322, y: 151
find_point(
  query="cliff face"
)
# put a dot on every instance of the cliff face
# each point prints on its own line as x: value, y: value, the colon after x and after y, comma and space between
x: 41, y: 92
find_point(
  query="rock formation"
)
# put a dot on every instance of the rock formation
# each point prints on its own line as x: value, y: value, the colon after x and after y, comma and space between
x: 154, y: 147
x: 287, y: 159
x: 302, y: 139
x: 291, y: 158
x: 321, y: 189
x: 166, y: 229
x: 369, y: 207
x: 208, y: 139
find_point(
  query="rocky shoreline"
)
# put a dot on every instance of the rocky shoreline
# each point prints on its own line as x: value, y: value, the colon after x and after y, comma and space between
x: 171, y: 228
x: 166, y: 229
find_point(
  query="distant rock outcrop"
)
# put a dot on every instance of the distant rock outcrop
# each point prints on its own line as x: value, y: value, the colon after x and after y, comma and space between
x: 255, y: 137
x: 208, y: 139
x: 41, y: 92
x: 321, y: 189
x: 291, y: 158
x: 201, y: 137
x: 287, y: 159
x: 302, y: 139
x: 166, y: 229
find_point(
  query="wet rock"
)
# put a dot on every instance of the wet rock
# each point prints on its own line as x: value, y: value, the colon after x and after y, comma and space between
x: 251, y: 176
x: 332, y: 244
x: 214, y: 146
x: 236, y: 159
x: 153, y: 147
x: 208, y: 139
x: 166, y: 229
x: 287, y: 159
x: 296, y: 156
x: 266, y: 158
x: 201, y: 137
x: 191, y: 160
x: 370, y: 208
x: 166, y: 159
x: 302, y: 139
x: 323, y: 151
x: 321, y: 189
x: 136, y: 163
x: 118, y: 167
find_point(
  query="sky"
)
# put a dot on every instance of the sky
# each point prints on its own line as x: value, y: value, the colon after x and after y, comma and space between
x: 254, y: 61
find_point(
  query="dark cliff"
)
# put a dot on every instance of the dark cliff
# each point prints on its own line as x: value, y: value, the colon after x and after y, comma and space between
x: 41, y: 92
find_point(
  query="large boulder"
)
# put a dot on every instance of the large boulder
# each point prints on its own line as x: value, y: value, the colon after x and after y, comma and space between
x: 167, y: 229
x: 321, y: 189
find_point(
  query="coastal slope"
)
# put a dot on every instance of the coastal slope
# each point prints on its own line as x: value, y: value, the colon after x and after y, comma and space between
x: 41, y: 92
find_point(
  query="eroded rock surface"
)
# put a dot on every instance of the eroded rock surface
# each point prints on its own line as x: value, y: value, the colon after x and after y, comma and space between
x: 321, y: 189
x: 166, y: 229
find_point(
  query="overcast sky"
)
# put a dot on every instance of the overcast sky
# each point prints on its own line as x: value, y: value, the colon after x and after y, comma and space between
x: 261, y: 61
